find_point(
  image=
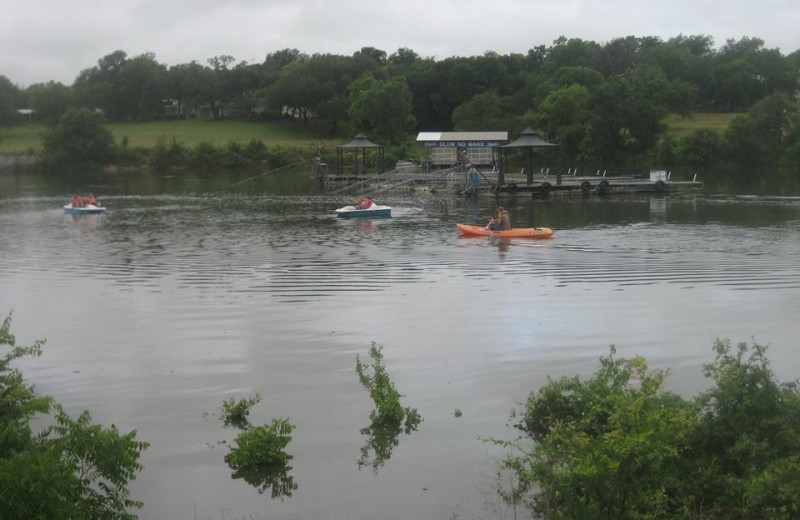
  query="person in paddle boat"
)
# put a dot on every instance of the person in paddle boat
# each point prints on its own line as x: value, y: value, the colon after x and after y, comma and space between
x: 77, y: 202
x: 90, y: 200
x: 501, y: 221
x: 364, y: 203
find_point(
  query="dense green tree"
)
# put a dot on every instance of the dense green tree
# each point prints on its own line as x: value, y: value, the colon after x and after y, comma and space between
x: 369, y: 59
x: 484, y: 111
x: 757, y: 137
x: 422, y: 81
x: 700, y: 148
x: 565, y: 117
x: 218, y: 84
x: 623, y: 54
x: 72, y: 469
x: 96, y: 87
x: 79, y: 139
x: 456, y: 81
x: 185, y: 86
x: 141, y: 87
x: 573, y: 52
x: 314, y: 84
x: 49, y: 101
x: 401, y: 60
x: 331, y: 75
x: 382, y: 109
x: 652, y: 98
x: 790, y: 158
x: 275, y: 62
x: 629, y: 111
x: 745, y: 72
x: 10, y: 100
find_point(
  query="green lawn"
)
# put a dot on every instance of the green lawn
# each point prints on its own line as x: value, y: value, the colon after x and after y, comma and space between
x: 19, y: 140
x: 679, y: 127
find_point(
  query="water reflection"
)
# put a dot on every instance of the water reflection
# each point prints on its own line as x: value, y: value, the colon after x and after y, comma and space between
x: 502, y: 244
x: 274, y: 477
x: 85, y: 221
x: 382, y: 438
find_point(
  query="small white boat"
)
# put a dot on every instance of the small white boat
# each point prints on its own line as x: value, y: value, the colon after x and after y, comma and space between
x: 88, y: 209
x: 373, y: 211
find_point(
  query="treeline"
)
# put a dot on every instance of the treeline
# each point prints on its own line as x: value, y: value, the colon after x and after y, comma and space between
x: 604, y: 105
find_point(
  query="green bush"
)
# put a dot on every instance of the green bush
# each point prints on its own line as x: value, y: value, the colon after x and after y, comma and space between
x: 205, y: 157
x: 617, y: 446
x: 255, y: 150
x: 72, y: 469
x: 236, y: 413
x: 78, y: 140
x: 702, y: 147
x: 168, y: 154
x: 261, y: 446
x: 258, y: 455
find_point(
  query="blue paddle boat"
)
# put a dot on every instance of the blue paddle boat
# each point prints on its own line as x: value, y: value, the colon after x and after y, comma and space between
x: 88, y: 209
x: 374, y: 210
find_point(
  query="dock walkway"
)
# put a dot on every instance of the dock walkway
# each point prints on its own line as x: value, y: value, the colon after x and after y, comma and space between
x: 468, y: 183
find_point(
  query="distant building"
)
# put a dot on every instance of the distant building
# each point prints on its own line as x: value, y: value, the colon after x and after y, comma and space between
x: 447, y: 148
x: 26, y: 113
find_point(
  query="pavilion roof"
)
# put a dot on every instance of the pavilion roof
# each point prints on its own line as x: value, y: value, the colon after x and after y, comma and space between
x: 360, y: 141
x: 528, y: 138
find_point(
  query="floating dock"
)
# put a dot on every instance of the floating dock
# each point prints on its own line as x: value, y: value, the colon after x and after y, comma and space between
x: 474, y: 182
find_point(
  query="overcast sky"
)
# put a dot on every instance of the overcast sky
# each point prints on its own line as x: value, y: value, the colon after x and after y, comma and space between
x: 43, y: 40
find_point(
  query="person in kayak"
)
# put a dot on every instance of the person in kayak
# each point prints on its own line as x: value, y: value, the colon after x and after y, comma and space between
x: 501, y: 221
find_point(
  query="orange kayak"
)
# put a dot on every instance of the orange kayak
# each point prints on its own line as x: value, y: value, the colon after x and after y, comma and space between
x: 480, y: 231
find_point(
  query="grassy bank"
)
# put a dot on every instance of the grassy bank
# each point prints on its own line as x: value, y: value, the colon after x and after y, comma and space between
x: 26, y: 138
x: 679, y: 127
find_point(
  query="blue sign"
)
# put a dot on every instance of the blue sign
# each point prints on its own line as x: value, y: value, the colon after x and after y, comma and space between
x: 461, y: 144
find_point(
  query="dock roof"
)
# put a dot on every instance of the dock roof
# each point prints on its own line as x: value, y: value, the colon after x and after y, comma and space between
x: 462, y: 139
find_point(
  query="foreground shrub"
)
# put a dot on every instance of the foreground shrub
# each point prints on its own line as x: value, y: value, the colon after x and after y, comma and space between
x: 73, y: 469
x: 618, y: 446
x: 168, y: 154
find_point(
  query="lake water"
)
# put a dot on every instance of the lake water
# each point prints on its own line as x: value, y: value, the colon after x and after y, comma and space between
x: 185, y: 294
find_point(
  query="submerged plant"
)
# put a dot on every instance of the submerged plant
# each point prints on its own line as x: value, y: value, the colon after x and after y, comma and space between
x: 258, y: 453
x: 389, y: 418
x: 236, y: 413
x: 259, y: 458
